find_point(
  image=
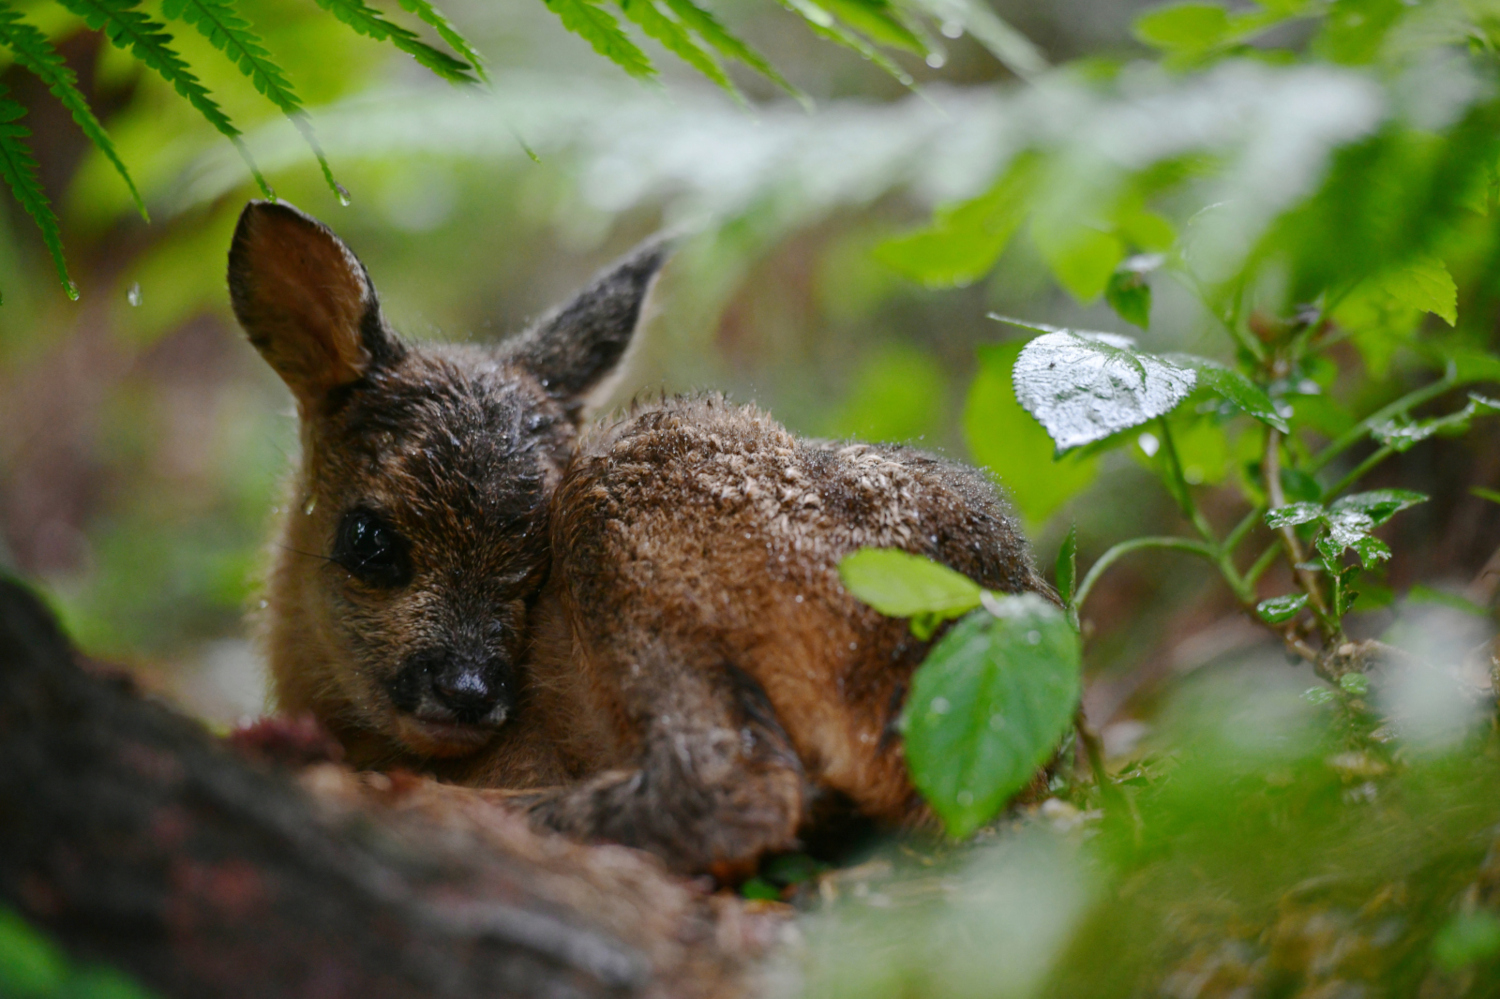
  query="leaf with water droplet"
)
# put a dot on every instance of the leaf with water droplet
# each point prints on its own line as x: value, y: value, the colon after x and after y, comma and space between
x: 1279, y: 609
x: 1082, y: 386
x: 1018, y: 661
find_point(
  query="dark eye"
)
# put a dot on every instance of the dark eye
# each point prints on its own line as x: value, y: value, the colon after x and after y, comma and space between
x: 371, y: 550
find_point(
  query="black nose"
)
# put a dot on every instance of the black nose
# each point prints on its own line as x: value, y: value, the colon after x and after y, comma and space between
x: 471, y: 690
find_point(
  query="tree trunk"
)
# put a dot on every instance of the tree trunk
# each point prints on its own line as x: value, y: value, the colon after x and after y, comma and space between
x: 135, y: 837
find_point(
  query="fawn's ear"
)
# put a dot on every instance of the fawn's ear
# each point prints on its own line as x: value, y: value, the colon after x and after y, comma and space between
x: 305, y: 301
x: 574, y: 349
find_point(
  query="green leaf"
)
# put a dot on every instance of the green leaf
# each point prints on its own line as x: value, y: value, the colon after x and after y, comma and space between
x: 878, y: 21
x: 1483, y: 493
x: 1129, y: 295
x: 1380, y: 505
x: 1293, y: 514
x: 434, y: 18
x: 899, y: 584
x: 822, y: 23
x: 1002, y: 437
x: 1081, y: 257
x: 760, y: 889
x: 1371, y: 551
x: 1468, y: 938
x: 1083, y: 387
x: 1234, y: 387
x: 33, y: 51
x: 18, y: 167
x: 1014, y: 50
x: 1182, y: 27
x: 227, y: 31
x: 675, y: 39
x: 371, y: 23
x: 1279, y: 609
x: 711, y: 31
x: 1067, y: 566
x: 29, y: 963
x: 1426, y: 285
x: 1403, y: 433
x: 989, y: 706
x: 129, y: 29
x: 966, y: 238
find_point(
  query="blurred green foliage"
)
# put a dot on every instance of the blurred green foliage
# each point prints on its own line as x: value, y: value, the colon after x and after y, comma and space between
x: 31, y: 967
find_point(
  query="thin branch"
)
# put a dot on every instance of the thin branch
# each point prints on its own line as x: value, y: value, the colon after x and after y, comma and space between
x: 1124, y: 548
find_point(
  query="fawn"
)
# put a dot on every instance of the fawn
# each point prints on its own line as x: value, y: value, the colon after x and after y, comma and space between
x: 636, y: 628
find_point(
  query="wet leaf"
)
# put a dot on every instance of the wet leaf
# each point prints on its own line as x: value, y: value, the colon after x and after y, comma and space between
x: 899, y: 584
x: 1129, y: 294
x: 1279, y: 609
x: 1293, y: 514
x: 989, y: 706
x: 1380, y: 505
x: 1232, y: 386
x: 1083, y: 387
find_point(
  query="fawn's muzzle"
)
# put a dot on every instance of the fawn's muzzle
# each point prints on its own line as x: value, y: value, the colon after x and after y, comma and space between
x: 452, y: 687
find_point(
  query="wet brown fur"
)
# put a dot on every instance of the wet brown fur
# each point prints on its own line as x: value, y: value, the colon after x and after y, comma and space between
x: 691, y: 676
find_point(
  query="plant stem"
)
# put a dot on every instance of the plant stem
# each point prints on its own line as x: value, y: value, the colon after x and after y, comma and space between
x: 1184, y: 496
x: 1362, y: 429
x: 1271, y: 468
x: 1232, y: 541
x: 1260, y: 565
x: 1093, y: 748
x: 1361, y: 470
x: 1124, y: 548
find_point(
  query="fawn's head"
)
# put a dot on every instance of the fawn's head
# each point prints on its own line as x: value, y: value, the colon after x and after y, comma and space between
x: 419, y: 530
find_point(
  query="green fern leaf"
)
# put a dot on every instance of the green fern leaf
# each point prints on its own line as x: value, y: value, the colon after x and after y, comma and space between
x: 675, y: 39
x: 595, y: 25
x: 447, y: 32
x: 711, y: 31
x: 878, y: 21
x: 18, y: 167
x: 227, y: 31
x: 823, y: 24
x: 129, y: 29
x: 32, y: 49
x: 371, y: 23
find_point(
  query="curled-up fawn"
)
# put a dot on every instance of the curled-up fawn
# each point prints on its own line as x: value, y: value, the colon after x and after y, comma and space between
x: 635, y: 626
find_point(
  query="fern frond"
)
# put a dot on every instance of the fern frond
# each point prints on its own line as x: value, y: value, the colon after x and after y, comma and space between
x: 594, y: 25
x: 371, y: 23
x: 708, y: 28
x: 675, y: 39
x: 227, y: 31
x: 18, y: 167
x: 130, y: 29
x: 33, y: 50
x: 878, y: 21
x: 823, y: 24
x: 433, y: 17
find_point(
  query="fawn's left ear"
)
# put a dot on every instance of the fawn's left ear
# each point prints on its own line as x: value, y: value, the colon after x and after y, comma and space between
x: 575, y: 349
x: 305, y: 301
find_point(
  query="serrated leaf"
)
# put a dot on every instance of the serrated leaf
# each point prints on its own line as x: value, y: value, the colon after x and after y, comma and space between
x: 1380, y: 505
x: 1402, y: 434
x: 1293, y: 514
x: 900, y: 584
x: 1083, y: 387
x: 1279, y: 609
x: 129, y: 29
x: 1067, y: 566
x: 434, y: 18
x: 708, y: 28
x: 1371, y: 552
x: 675, y: 39
x: 1426, y: 285
x: 1234, y: 387
x: 989, y: 706
x: 596, y: 26
x: 966, y: 238
x: 1183, y: 27
x: 18, y: 167
x: 227, y: 31
x: 34, y: 51
x: 1003, y: 438
x: 372, y: 23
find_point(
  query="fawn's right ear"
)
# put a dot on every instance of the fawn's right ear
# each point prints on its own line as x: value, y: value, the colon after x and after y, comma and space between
x: 305, y: 301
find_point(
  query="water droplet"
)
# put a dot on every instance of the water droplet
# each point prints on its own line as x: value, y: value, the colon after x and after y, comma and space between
x: 905, y: 79
x: 310, y: 505
x: 952, y: 29
x: 966, y: 798
x: 343, y: 194
x: 264, y: 604
x: 799, y: 598
x: 133, y: 293
x: 940, y: 706
x: 1033, y: 637
x: 997, y: 722
x: 936, y: 60
x: 1148, y: 444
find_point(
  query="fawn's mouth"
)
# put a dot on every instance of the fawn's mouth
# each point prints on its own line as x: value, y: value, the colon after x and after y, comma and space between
x: 431, y: 737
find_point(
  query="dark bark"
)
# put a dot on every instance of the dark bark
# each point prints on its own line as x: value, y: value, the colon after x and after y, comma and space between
x: 135, y: 837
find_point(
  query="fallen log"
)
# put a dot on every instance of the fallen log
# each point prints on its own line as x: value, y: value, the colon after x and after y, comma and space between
x: 135, y: 837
